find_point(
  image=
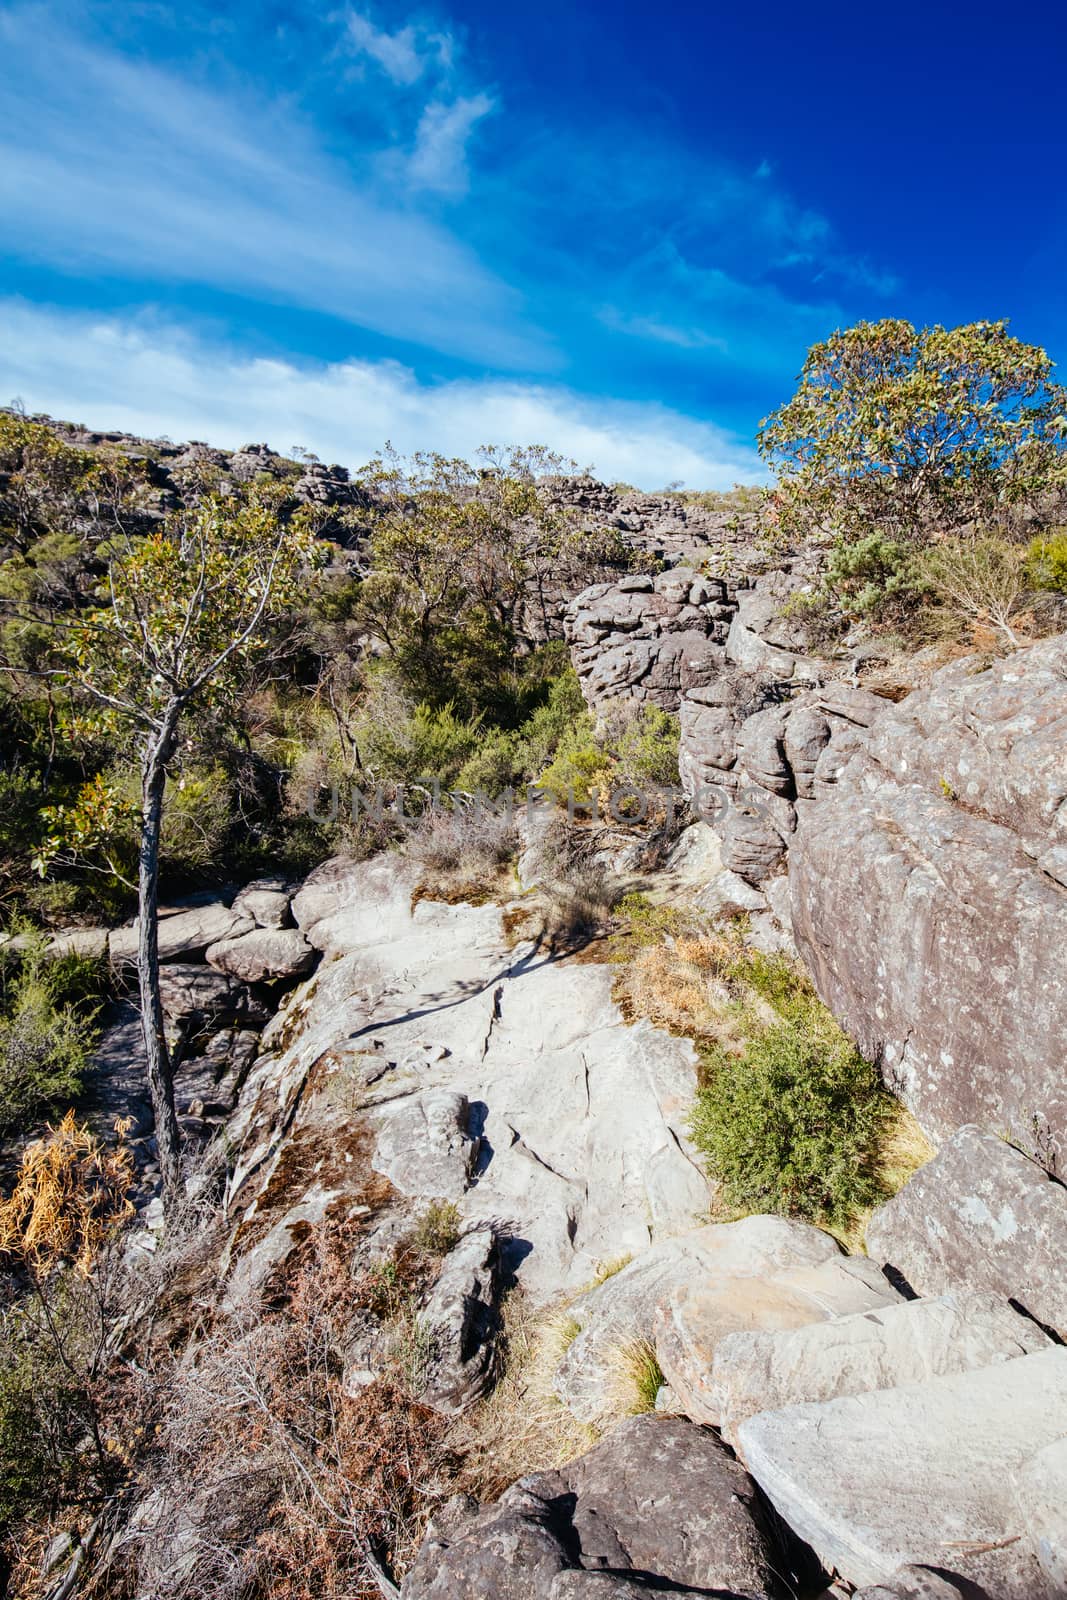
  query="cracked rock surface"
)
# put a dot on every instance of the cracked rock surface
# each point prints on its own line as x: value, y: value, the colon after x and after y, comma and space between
x: 497, y: 1077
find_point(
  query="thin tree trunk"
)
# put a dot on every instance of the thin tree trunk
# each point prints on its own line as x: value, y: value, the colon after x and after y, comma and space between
x: 160, y: 1078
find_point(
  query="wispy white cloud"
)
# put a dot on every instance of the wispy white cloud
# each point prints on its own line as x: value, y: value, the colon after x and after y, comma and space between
x: 150, y: 379
x: 439, y: 159
x: 134, y: 173
x: 398, y: 54
x: 684, y: 338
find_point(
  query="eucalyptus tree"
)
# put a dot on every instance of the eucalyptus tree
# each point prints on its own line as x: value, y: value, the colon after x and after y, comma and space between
x: 178, y: 623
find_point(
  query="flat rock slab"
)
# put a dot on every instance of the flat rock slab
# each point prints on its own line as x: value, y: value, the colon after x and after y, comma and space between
x: 624, y: 1306
x: 696, y: 1315
x: 881, y: 1349
x: 264, y: 955
x: 183, y: 933
x: 980, y: 1215
x: 921, y: 1475
x: 659, y: 1501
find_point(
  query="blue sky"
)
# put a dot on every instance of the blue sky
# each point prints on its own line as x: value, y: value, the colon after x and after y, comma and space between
x: 614, y: 229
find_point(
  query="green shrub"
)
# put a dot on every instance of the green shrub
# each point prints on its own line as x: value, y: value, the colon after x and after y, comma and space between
x: 873, y: 576
x: 543, y: 732
x: 1046, y: 562
x: 645, y: 747
x: 579, y: 764
x: 792, y: 1125
x: 46, y: 1032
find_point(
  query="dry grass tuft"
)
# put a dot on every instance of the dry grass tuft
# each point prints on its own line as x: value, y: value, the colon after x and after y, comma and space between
x: 522, y: 1426
x: 636, y: 1378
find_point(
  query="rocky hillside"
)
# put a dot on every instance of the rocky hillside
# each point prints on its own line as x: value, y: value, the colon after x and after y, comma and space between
x: 596, y: 1198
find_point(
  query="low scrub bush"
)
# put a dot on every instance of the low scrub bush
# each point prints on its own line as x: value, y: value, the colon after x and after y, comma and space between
x: 980, y: 583
x: 47, y: 1032
x: 793, y: 1123
x: 1046, y: 562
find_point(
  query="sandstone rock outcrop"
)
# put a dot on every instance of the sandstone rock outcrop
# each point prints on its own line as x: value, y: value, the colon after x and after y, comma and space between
x: 759, y: 1370
x: 760, y: 1272
x: 918, y: 1475
x: 980, y: 1215
x: 929, y: 898
x: 657, y: 1505
x: 648, y: 639
x: 459, y: 1325
x: 580, y: 1118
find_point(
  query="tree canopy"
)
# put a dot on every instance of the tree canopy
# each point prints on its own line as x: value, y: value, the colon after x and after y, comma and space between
x: 901, y: 430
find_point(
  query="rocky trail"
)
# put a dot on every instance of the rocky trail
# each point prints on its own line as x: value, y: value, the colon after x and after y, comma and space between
x: 890, y: 1423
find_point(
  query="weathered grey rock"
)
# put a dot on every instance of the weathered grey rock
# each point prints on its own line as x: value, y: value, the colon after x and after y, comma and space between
x: 761, y: 750
x: 643, y: 639
x: 920, y: 1583
x: 183, y: 934
x: 327, y: 889
x: 727, y: 894
x: 919, y: 904
x: 264, y: 955
x: 658, y: 1499
x: 696, y: 1315
x: 751, y: 845
x: 266, y: 900
x: 896, y: 1344
x: 90, y: 943
x: 806, y: 735
x: 424, y: 1146
x: 980, y: 1215
x: 189, y: 992
x: 744, y: 1260
x: 918, y: 1475
x: 583, y: 1116
x: 459, y: 1324
x: 1041, y: 1495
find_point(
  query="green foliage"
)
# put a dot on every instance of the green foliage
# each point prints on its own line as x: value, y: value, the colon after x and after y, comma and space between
x: 423, y: 741
x: 901, y: 431
x: 644, y: 923
x: 437, y: 1229
x: 46, y: 1031
x: 579, y: 765
x: 543, y: 731
x: 645, y: 747
x: 792, y: 1125
x: 1046, y: 562
x: 467, y: 562
x: 872, y: 576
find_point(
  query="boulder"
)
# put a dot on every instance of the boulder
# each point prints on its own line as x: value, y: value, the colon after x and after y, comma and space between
x: 742, y: 1258
x: 193, y: 993
x: 1041, y: 1495
x: 266, y: 900
x: 920, y: 903
x: 183, y: 934
x: 697, y: 1315
x: 921, y: 1583
x: 979, y: 1215
x: 459, y: 1324
x: 907, y: 1343
x: 659, y: 1502
x: 264, y: 955
x: 917, y: 1475
x: 424, y: 1147
x: 751, y: 844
